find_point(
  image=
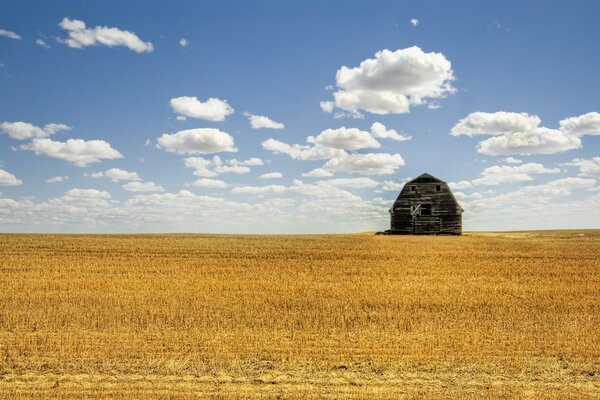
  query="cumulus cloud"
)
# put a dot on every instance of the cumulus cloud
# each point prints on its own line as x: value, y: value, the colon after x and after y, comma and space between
x: 197, y: 141
x: 302, y: 152
x: 356, y: 183
x: 79, y: 152
x: 327, y: 106
x: 391, y: 186
x: 9, y: 34
x: 586, y: 124
x: 345, y: 139
x: 587, y: 167
x: 379, y: 130
x: 260, y: 121
x: 521, y: 133
x: 184, y: 42
x: 414, y: 22
x: 393, y: 81
x: 497, y: 174
x: 24, y: 130
x: 512, y: 160
x: 80, y: 36
x: 212, y: 109
x: 209, y: 183
x: 142, y: 187
x: 460, y: 185
x: 212, y: 167
x: 258, y: 190
x: 57, y: 179
x: 317, y: 173
x: 271, y: 175
x: 116, y: 175
x: 366, y: 164
x: 8, y: 179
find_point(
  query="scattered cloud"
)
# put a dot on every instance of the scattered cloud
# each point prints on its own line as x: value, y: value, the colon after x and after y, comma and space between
x: 57, y: 179
x: 197, y: 141
x: 511, y: 160
x: 344, y: 139
x: 391, y: 186
x: 184, y: 42
x: 317, y: 173
x: 79, y: 152
x: 327, y: 106
x: 302, y: 152
x: 209, y: 183
x: 520, y: 133
x: 497, y: 174
x: 41, y: 42
x: 356, y: 183
x: 366, y: 164
x: 8, y: 179
x: 9, y: 34
x: 80, y: 36
x: 460, y: 185
x: 271, y: 175
x: 212, y: 167
x: 414, y: 22
x: 212, y: 109
x: 379, y: 130
x: 260, y: 121
x: 587, y: 167
x: 258, y: 190
x: 393, y: 81
x: 24, y: 130
x: 116, y: 175
x: 142, y: 187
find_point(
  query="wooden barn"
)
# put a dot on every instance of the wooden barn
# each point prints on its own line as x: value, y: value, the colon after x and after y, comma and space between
x: 426, y: 206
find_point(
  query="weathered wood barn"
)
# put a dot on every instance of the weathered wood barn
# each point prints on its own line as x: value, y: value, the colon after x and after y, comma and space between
x: 426, y: 206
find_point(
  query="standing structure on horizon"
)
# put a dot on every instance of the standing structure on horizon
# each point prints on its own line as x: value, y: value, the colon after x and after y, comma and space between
x: 426, y: 206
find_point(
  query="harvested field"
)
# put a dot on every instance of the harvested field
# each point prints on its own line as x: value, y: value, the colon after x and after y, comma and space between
x: 486, y: 315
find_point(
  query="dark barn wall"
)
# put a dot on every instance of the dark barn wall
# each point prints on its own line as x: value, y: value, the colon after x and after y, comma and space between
x: 445, y: 215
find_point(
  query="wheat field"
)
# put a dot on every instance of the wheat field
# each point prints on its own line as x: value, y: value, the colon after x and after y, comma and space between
x: 489, y: 315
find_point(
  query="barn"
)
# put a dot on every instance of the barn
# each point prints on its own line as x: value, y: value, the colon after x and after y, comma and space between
x: 426, y: 206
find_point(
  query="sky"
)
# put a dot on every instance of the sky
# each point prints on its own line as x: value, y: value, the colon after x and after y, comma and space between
x: 295, y: 117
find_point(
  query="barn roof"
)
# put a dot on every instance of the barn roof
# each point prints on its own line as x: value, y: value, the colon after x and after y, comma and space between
x: 426, y: 178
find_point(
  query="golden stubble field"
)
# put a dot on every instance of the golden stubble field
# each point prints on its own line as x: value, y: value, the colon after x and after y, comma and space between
x: 512, y: 315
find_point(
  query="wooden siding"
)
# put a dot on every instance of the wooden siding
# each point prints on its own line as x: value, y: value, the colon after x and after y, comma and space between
x: 446, y: 213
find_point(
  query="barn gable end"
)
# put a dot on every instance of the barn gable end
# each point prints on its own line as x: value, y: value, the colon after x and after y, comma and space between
x: 426, y: 206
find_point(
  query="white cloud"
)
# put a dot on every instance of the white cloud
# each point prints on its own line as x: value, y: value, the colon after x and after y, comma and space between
x: 393, y: 81
x: 391, y: 186
x: 258, y: 190
x: 586, y: 124
x: 497, y: 175
x: 197, y: 141
x: 459, y: 185
x: 260, y: 121
x: 209, y: 183
x: 117, y: 174
x: 521, y: 133
x: 9, y: 34
x: 142, y: 187
x: 366, y: 164
x: 302, y: 152
x: 327, y: 106
x: 57, y: 179
x: 414, y: 22
x: 498, y: 123
x: 76, y: 151
x: 184, y: 42
x: 212, y: 109
x: 75, y: 194
x: 24, y: 130
x: 345, y: 139
x: 271, y: 175
x: 350, y: 182
x: 379, y: 130
x: 41, y: 42
x: 8, y: 179
x: 208, y: 168
x: 80, y: 36
x: 587, y: 167
x: 317, y: 173
x: 512, y: 160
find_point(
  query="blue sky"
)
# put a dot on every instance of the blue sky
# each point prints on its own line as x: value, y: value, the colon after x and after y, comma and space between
x: 480, y: 88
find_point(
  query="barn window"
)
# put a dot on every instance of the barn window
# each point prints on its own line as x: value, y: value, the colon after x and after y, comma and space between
x: 438, y: 188
x: 413, y: 188
x: 426, y: 209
